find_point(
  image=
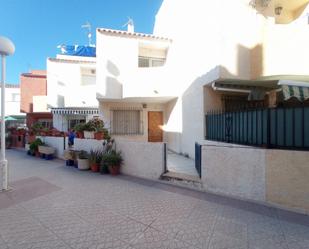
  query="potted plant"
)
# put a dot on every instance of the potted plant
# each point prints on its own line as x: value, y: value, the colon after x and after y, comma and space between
x: 79, y: 129
x: 34, y: 147
x: 44, y: 132
x: 30, y: 137
x: 89, y: 130
x: 99, y: 134
x: 98, y: 125
x: 83, y: 160
x: 36, y: 128
x: 113, y: 160
x: 95, y: 158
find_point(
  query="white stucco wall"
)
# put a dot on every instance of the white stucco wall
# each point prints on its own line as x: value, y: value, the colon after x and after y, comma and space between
x: 237, y: 171
x: 65, y: 86
x: 59, y: 143
x: 40, y: 104
x: 141, y: 159
x: 12, y: 106
x: 118, y: 74
x: 107, y: 107
x: 269, y: 176
x: 60, y: 121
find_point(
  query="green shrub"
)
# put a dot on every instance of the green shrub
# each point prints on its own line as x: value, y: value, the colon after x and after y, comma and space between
x: 34, y: 146
x: 113, y: 158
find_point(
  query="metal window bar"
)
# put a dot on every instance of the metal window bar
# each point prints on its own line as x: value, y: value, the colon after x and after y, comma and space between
x: 126, y: 122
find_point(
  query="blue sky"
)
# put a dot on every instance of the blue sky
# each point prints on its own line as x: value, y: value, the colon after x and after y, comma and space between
x: 37, y: 26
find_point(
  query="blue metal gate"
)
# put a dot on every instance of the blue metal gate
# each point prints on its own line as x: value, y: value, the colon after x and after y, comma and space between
x: 198, y: 158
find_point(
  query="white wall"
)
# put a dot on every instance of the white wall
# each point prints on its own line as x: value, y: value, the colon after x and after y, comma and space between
x: 269, y: 176
x: 118, y: 74
x: 60, y: 121
x: 237, y: 171
x: 141, y: 159
x: 59, y: 143
x: 12, y: 106
x: 40, y: 104
x: 106, y: 107
x: 64, y: 84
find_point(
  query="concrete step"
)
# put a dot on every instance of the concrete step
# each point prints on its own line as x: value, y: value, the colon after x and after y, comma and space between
x: 184, y: 180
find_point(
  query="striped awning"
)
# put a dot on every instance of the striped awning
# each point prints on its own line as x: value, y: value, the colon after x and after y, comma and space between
x: 75, y: 111
x: 299, y: 92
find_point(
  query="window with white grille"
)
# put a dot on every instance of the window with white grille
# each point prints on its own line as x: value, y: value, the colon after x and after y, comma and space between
x: 150, y: 62
x: 126, y: 122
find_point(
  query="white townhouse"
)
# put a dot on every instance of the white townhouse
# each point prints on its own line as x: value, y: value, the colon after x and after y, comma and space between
x: 12, y: 100
x: 158, y: 87
x: 71, y: 90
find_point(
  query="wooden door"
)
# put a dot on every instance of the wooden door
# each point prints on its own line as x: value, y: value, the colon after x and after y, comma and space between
x: 155, y: 122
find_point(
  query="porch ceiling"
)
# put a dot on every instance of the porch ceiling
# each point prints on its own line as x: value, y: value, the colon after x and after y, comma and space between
x: 266, y: 82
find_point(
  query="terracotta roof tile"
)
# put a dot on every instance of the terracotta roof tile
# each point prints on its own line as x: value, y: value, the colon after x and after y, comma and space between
x: 71, y: 61
x: 129, y: 34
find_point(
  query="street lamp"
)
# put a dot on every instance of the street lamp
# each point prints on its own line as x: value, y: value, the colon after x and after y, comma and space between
x: 6, y: 48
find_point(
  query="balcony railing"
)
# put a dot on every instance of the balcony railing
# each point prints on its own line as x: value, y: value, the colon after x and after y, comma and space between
x: 284, y: 128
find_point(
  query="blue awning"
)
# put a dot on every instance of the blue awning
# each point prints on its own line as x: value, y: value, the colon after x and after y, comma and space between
x: 77, y: 50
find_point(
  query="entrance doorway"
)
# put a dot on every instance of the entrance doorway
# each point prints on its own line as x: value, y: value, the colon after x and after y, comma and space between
x: 155, y: 122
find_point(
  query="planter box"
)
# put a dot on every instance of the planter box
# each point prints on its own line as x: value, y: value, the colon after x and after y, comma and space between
x: 27, y: 147
x: 47, y: 150
x: 83, y: 164
x: 89, y: 134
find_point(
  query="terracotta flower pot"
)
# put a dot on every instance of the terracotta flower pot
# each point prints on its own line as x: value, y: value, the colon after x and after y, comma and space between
x: 37, y: 153
x: 94, y: 167
x: 114, y: 169
x: 80, y: 134
x: 99, y: 135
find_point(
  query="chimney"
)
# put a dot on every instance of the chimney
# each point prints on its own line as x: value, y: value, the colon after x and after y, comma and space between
x: 130, y: 26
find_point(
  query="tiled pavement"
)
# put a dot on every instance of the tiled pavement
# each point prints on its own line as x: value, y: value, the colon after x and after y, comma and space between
x: 180, y: 164
x: 53, y: 206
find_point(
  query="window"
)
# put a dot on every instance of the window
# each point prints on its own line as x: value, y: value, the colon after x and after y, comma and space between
x: 126, y: 122
x: 88, y: 76
x: 46, y: 123
x: 15, y: 97
x: 73, y: 122
x: 150, y: 62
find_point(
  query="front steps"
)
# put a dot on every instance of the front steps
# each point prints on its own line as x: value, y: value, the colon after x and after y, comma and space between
x: 184, y: 180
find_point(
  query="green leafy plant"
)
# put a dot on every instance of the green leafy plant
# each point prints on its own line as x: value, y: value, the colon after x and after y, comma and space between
x: 97, y: 124
x: 79, y: 127
x: 34, y: 146
x: 36, y: 127
x: 113, y: 158
x: 106, y: 134
x: 96, y: 156
x: 89, y: 127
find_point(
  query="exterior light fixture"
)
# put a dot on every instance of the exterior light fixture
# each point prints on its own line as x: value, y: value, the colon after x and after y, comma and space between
x: 6, y: 48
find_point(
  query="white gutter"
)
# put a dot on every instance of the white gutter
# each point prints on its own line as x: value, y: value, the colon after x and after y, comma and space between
x: 229, y: 89
x: 293, y: 83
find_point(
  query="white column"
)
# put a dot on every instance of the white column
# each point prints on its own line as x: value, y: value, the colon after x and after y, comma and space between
x: 3, y: 161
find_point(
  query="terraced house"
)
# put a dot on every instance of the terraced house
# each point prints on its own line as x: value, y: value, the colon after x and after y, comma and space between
x: 223, y: 82
x: 226, y: 71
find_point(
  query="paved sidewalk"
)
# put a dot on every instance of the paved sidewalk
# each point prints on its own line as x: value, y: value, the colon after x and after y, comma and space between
x: 180, y: 164
x: 54, y: 206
